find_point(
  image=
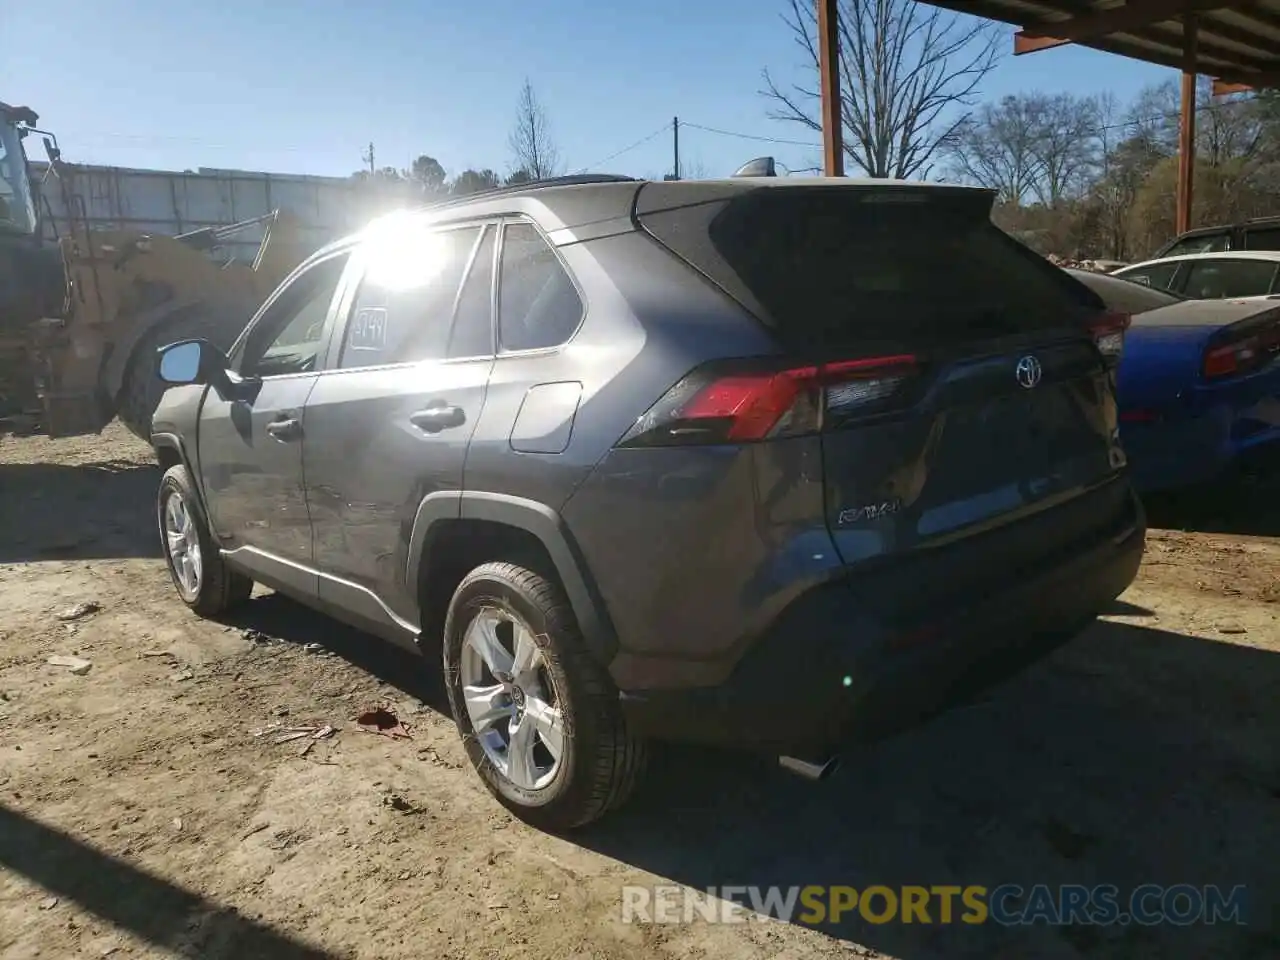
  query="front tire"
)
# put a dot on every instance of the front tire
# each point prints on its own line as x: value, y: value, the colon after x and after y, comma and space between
x: 539, y: 718
x: 203, y: 580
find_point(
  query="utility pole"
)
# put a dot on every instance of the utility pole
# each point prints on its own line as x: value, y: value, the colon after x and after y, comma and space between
x: 675, y: 132
x: 368, y: 157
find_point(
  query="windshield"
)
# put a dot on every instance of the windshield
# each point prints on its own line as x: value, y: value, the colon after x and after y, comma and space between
x: 17, y: 211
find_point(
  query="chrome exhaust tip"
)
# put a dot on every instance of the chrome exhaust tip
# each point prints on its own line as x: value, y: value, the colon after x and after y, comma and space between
x: 808, y: 769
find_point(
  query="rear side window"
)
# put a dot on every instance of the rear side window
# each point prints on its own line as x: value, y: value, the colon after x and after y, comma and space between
x: 1159, y: 276
x: 1220, y: 279
x: 1262, y: 238
x: 538, y: 305
x: 830, y: 266
x: 404, y: 306
x: 472, y: 334
x: 1205, y: 243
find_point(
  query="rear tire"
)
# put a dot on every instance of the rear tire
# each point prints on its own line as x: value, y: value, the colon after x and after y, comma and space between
x: 141, y: 387
x: 203, y: 580
x: 548, y: 682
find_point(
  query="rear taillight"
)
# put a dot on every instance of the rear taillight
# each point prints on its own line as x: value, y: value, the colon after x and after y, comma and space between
x: 745, y: 401
x: 1235, y: 354
x: 1139, y: 416
x: 1108, y: 333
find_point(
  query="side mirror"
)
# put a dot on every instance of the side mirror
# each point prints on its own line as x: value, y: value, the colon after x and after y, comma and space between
x: 183, y: 362
x: 199, y: 361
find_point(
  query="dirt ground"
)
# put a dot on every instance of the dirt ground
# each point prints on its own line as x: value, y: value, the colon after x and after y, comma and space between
x: 144, y: 814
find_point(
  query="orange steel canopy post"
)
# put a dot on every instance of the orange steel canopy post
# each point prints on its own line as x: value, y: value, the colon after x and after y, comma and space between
x: 829, y: 69
x: 1187, y: 128
x: 1237, y: 42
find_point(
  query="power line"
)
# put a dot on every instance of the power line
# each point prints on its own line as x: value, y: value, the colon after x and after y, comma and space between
x: 1119, y: 125
x: 613, y: 156
x: 752, y: 136
x: 1176, y: 114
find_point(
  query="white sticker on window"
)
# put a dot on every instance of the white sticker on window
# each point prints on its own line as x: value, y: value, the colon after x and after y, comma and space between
x: 368, y: 329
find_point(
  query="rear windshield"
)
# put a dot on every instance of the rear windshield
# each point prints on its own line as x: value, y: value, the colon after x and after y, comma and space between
x: 827, y: 265
x: 1126, y: 296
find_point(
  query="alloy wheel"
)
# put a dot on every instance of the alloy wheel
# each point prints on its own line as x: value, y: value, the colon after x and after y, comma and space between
x: 182, y: 541
x: 511, y: 700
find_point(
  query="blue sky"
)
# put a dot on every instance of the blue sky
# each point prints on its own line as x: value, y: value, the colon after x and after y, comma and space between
x: 302, y: 86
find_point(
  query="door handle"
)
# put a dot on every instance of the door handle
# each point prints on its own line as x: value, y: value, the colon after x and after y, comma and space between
x: 435, y: 419
x: 285, y: 429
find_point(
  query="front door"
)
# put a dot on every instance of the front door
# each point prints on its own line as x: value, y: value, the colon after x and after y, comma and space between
x: 389, y: 423
x: 251, y: 449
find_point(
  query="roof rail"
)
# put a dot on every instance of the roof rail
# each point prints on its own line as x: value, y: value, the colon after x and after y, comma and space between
x: 506, y: 190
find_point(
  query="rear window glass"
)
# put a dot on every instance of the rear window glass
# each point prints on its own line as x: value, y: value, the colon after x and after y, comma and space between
x: 1204, y: 243
x: 826, y: 266
x: 1126, y: 296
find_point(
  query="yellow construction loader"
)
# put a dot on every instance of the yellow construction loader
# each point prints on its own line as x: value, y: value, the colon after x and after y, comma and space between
x: 82, y: 311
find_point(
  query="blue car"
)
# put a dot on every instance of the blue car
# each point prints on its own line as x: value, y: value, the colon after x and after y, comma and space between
x: 1199, y: 381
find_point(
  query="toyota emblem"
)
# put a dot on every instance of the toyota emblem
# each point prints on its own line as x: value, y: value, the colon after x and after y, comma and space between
x: 1028, y: 371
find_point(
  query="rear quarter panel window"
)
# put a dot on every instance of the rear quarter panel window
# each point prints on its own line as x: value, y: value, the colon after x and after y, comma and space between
x: 1262, y: 238
x: 538, y: 304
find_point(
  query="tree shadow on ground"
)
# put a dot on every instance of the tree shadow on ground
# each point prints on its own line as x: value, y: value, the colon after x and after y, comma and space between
x: 138, y: 901
x: 89, y: 511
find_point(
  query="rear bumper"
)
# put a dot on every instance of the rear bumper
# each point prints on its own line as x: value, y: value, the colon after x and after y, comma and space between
x: 826, y: 674
x: 1197, y: 449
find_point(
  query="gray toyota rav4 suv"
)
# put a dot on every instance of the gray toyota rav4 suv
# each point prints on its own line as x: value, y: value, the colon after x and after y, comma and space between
x: 776, y: 463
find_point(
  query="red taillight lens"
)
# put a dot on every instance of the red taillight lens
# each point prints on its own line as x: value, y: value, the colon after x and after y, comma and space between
x: 755, y: 400
x: 1222, y: 361
x: 1138, y: 416
x: 1243, y: 354
x: 1108, y: 333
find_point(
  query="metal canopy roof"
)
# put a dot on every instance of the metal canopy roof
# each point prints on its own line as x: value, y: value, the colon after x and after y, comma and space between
x: 1236, y: 41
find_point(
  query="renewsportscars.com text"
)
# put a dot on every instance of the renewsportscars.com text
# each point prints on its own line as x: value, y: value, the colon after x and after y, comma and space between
x: 1007, y: 905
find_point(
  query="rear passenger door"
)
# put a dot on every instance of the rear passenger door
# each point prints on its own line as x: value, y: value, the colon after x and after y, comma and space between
x: 535, y: 387
x: 389, y: 421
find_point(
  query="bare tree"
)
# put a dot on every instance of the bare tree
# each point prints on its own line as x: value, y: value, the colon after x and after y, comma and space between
x: 530, y: 139
x: 1065, y: 145
x: 997, y: 148
x: 907, y: 71
x: 1030, y: 146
